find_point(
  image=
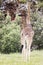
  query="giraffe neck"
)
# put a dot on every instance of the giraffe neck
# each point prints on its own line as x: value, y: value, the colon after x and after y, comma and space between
x: 25, y: 23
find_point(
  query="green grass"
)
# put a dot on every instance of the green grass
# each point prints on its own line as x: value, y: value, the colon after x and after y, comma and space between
x: 16, y: 59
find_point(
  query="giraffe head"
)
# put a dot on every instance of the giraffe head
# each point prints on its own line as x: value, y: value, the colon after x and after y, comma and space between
x: 22, y: 10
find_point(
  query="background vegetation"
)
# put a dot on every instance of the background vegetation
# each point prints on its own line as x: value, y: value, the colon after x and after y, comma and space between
x: 10, y: 31
x: 9, y: 36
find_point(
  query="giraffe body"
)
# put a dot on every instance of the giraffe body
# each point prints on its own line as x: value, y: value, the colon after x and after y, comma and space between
x: 26, y: 40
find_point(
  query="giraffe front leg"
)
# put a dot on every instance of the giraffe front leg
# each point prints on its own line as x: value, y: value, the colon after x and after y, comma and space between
x: 29, y: 47
x: 28, y: 40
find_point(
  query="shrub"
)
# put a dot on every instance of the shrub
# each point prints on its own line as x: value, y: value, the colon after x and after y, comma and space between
x: 38, y: 28
x: 9, y: 37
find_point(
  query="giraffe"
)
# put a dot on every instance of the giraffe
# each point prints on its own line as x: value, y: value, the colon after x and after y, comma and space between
x: 27, y: 32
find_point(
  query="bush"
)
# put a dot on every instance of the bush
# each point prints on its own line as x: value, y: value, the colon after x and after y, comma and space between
x: 37, y: 23
x: 2, y: 17
x: 9, y: 37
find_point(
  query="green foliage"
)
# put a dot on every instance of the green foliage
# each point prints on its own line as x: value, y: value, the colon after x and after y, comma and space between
x: 23, y: 1
x: 9, y: 36
x: 37, y: 22
x: 40, y: 4
x: 37, y: 19
x: 2, y: 17
x: 40, y: 0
